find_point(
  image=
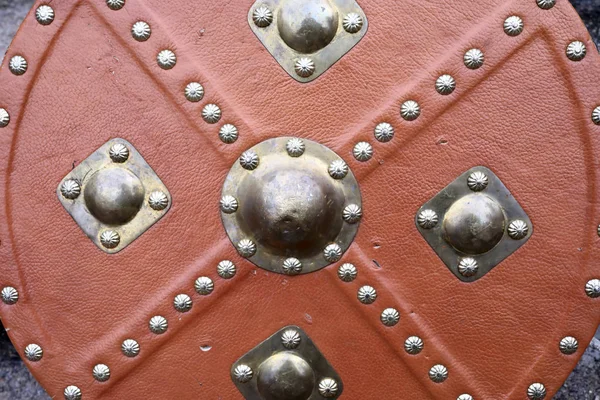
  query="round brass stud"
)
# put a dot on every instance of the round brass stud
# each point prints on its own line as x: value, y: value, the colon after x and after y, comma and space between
x: 295, y: 147
x: 438, y: 373
x: 166, y: 59
x: 226, y: 269
x: 568, y: 345
x: 576, y: 51
x: 211, y: 113
x: 536, y: 391
x: 158, y: 200
x: 115, y: 4
x: 72, y: 393
x: 513, y: 26
x: 465, y: 397
x: 308, y: 28
x: 4, y: 118
x: 518, y: 229
x: 110, y: 239
x: 285, y: 376
x: 338, y: 169
x: 328, y: 388
x: 292, y: 266
x: 249, y: 160
x: 390, y: 317
x: 363, y: 151
x: 592, y: 288
x: 158, y: 325
x: 194, y: 92
x: 595, y: 115
x: 243, y: 373
x: 427, y: 219
x: 290, y: 339
x: 352, y: 213
x: 445, y: 85
x: 130, y: 348
x: 228, y: 133
x: 10, y: 295
x: 141, y: 31
x: 304, y: 67
x: 468, y: 267
x: 332, y: 253
x: 262, y: 16
x: 474, y: 59
x: 204, y: 286
x: 182, y: 303
x: 33, y: 352
x: 410, y: 110
x: 546, y: 4
x: 352, y: 22
x: 413, y: 345
x: 246, y: 248
x: 229, y: 204
x: 44, y: 14
x: 118, y: 152
x: 347, y: 272
x: 367, y: 294
x: 384, y: 132
x: 477, y: 181
x: 101, y: 372
x: 70, y: 189
x: 17, y: 65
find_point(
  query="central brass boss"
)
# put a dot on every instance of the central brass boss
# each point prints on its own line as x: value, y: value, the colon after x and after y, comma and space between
x: 291, y: 206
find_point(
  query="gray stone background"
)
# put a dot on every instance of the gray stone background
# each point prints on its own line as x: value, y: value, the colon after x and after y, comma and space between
x: 16, y: 383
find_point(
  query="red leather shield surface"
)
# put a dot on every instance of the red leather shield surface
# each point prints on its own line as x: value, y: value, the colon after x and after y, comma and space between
x: 526, y: 114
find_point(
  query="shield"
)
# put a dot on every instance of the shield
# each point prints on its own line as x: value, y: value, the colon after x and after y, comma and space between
x: 300, y: 199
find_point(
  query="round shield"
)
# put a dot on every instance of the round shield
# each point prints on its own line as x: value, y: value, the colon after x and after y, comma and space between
x: 300, y: 200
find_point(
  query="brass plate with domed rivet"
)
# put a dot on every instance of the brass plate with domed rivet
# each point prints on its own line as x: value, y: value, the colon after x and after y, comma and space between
x: 307, y: 37
x: 286, y: 366
x: 474, y: 223
x: 114, y: 195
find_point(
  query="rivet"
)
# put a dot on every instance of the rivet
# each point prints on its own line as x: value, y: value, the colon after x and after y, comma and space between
x: 290, y: 339
x: 118, y: 152
x: 413, y: 345
x: 4, y: 118
x: 477, y: 181
x: 468, y: 267
x: 70, y: 189
x: 352, y: 22
x: 576, y: 51
x: 115, y: 4
x: 33, y: 352
x: 229, y: 204
x: 141, y: 31
x: 194, y: 92
x: 44, y: 14
x: 292, y: 266
x: 158, y: 325
x: 328, y: 387
x: 158, y: 200
x: 568, y: 345
x: 295, y: 147
x: 228, y: 133
x: 304, y: 67
x: 427, y: 219
x: 595, y: 116
x: 536, y: 391
x: 130, y: 348
x: 10, y: 295
x: 347, y: 272
x: 390, y: 317
x: 438, y: 373
x: 384, y: 132
x: 249, y: 160
x: 363, y: 151
x: 262, y: 17
x: 518, y: 229
x: 166, y: 59
x: 474, y: 59
x: 17, y: 65
x: 110, y: 239
x: 332, y: 253
x: 410, y: 110
x: 101, y: 372
x: 338, y: 169
x: 592, y: 288
x: 445, y: 85
x: 72, y: 393
x: 513, y: 26
x: 546, y: 4
x: 367, y: 294
x: 243, y: 373
x: 204, y: 286
x: 352, y: 213
x: 226, y: 269
x: 465, y: 397
x: 182, y: 303
x: 246, y: 248
x: 211, y: 113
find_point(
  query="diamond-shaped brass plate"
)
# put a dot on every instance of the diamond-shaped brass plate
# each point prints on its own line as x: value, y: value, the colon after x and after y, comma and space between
x: 148, y: 185
x: 324, y: 58
x: 273, y: 352
x: 437, y: 237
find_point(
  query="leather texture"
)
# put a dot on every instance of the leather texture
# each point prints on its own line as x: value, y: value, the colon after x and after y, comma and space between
x: 525, y: 115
